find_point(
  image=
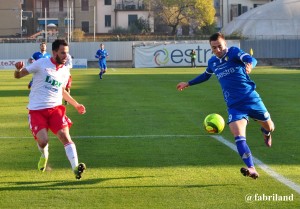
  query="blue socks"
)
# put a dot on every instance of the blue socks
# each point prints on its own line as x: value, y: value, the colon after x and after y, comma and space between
x: 244, y: 151
x: 265, y: 132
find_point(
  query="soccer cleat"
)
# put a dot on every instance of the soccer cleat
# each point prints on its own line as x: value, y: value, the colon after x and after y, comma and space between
x: 79, y: 170
x: 42, y: 164
x: 267, y: 137
x: 251, y: 172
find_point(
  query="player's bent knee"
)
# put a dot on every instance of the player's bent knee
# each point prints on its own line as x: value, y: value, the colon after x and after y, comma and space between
x: 42, y: 143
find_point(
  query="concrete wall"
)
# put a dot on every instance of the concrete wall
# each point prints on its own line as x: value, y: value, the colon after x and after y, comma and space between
x: 118, y: 51
x: 268, y: 52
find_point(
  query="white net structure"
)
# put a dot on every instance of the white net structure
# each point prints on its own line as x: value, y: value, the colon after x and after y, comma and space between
x: 280, y: 19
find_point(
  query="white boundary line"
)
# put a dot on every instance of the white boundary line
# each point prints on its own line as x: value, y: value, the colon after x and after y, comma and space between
x: 219, y: 138
x: 101, y: 137
x: 263, y: 166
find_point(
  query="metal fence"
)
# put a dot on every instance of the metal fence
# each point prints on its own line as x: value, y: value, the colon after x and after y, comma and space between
x: 273, y: 48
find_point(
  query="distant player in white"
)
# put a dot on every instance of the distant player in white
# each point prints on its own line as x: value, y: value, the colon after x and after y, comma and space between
x: 45, y: 104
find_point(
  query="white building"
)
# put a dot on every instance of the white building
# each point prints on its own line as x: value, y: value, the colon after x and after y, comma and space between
x: 91, y: 16
x: 121, y: 13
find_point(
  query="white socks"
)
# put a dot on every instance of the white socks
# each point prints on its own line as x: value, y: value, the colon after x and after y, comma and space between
x: 44, y: 151
x: 71, y: 153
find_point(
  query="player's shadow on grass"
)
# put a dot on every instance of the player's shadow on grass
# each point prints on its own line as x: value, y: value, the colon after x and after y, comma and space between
x: 14, y: 93
x: 60, y: 184
x: 88, y: 184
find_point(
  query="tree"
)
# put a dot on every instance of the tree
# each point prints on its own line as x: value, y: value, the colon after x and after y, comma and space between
x: 195, y: 13
x: 78, y: 34
x: 143, y: 25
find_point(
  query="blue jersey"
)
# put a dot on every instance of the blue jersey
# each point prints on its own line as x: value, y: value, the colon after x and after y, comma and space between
x: 231, y: 73
x: 101, y: 54
x: 38, y: 55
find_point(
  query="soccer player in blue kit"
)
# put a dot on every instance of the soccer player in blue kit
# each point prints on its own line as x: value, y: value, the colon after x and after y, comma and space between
x: 232, y: 66
x: 101, y: 54
x: 37, y: 55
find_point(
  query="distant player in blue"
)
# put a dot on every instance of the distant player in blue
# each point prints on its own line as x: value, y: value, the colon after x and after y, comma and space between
x: 232, y: 66
x: 101, y: 54
x: 37, y: 55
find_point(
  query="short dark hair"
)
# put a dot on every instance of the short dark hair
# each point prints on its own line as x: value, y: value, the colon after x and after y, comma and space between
x: 216, y: 36
x: 57, y: 43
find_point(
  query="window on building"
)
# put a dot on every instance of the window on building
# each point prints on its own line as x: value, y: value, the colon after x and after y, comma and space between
x: 61, y: 5
x: 85, y: 26
x: 132, y: 19
x: 244, y: 9
x: 84, y: 5
x: 239, y: 9
x: 107, y: 2
x: 107, y: 20
x: 256, y: 5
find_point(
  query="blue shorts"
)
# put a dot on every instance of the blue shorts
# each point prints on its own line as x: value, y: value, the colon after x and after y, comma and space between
x: 102, y: 65
x: 255, y: 110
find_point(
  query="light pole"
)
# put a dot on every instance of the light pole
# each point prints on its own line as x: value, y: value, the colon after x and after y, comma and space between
x: 46, y: 29
x: 21, y: 24
x: 68, y: 22
x: 94, y: 23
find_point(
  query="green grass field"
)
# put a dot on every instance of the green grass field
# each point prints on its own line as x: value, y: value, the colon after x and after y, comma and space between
x: 144, y: 144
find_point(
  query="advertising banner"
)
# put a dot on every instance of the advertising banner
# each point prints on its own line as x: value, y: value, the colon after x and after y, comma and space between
x: 173, y: 55
x: 10, y: 63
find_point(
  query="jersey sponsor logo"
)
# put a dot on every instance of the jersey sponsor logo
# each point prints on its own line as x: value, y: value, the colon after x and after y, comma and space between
x: 53, y: 89
x: 52, y: 81
x: 225, y: 73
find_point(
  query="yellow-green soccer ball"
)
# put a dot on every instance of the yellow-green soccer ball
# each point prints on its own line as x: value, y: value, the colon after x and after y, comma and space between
x: 214, y: 123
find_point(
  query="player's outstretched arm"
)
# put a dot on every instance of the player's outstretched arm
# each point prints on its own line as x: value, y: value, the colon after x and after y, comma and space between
x: 199, y: 79
x: 79, y: 107
x: 20, y: 70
